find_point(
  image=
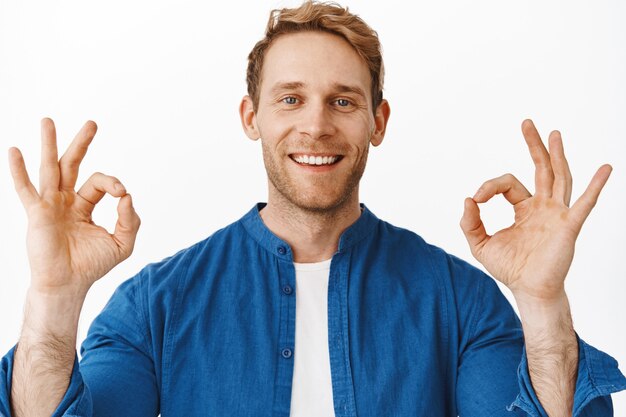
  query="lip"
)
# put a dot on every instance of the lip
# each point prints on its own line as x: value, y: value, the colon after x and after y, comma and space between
x: 315, y: 168
x: 295, y: 154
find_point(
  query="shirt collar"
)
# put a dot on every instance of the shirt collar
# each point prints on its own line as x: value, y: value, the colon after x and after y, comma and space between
x: 254, y: 225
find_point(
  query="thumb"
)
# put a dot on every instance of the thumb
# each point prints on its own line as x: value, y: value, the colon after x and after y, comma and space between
x: 473, y: 227
x: 127, y: 226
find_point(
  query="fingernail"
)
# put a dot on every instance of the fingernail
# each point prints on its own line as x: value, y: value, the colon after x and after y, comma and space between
x: 120, y: 187
x: 480, y: 190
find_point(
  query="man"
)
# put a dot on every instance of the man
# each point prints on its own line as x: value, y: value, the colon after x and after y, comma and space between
x: 309, y: 305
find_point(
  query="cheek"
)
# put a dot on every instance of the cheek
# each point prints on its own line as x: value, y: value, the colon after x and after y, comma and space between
x: 362, y: 123
x: 272, y: 129
x: 359, y: 130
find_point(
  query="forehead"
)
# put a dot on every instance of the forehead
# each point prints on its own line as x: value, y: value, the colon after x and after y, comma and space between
x: 315, y: 59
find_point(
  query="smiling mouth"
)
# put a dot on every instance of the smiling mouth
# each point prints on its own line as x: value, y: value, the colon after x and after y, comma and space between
x: 314, y: 160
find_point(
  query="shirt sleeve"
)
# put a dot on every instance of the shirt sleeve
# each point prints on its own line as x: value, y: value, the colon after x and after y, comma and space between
x: 598, y: 378
x: 75, y: 403
x: 493, y: 378
x: 116, y: 374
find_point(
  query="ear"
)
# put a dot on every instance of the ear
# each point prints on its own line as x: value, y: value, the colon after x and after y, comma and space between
x: 248, y: 118
x: 380, y: 122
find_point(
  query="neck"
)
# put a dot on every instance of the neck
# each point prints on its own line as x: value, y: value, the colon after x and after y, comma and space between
x: 312, y: 235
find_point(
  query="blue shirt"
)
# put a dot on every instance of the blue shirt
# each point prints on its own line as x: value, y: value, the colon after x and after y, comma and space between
x: 412, y: 331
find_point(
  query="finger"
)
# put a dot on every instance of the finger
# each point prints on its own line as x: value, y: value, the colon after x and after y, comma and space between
x: 73, y: 156
x: 49, y: 168
x: 473, y: 227
x: 587, y: 201
x: 98, y: 185
x: 544, y: 177
x: 127, y: 226
x: 507, y: 185
x: 26, y: 191
x: 562, y: 187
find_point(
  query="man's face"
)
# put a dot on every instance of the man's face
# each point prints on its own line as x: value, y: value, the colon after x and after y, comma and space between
x: 315, y: 120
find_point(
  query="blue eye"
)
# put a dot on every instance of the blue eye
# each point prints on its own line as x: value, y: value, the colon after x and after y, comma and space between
x: 342, y: 102
x: 290, y: 100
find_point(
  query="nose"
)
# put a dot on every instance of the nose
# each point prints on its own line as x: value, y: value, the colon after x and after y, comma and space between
x: 316, y: 121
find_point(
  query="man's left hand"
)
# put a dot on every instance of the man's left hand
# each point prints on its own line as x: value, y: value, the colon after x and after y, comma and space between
x: 532, y: 257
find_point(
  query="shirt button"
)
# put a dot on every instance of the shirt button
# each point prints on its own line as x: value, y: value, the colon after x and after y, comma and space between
x: 287, y: 289
x: 286, y: 353
x: 282, y: 250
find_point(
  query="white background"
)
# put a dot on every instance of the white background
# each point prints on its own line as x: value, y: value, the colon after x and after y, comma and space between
x: 163, y: 81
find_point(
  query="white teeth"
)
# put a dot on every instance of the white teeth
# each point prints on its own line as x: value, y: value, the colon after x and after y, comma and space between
x: 316, y: 160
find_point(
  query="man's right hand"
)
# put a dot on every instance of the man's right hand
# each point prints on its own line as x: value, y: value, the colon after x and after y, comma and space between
x: 67, y: 251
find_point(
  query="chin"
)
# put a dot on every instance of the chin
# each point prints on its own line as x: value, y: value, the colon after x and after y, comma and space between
x: 315, y: 204
x: 322, y: 195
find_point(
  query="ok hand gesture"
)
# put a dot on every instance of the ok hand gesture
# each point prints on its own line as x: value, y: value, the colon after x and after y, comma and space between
x: 67, y: 251
x: 532, y: 257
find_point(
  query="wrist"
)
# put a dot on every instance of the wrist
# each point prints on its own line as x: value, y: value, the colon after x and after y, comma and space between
x: 545, y: 319
x: 48, y: 314
x: 53, y: 287
x: 541, y: 304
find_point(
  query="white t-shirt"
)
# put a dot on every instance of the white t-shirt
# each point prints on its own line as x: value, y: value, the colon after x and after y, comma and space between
x: 312, y: 393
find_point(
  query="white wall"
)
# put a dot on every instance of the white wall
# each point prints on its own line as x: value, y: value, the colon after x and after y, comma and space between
x: 163, y: 81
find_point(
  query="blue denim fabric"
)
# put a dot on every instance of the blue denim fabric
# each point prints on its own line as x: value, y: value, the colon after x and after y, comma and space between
x: 412, y: 331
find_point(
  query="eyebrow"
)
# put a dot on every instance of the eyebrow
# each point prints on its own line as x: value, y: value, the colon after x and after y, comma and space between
x: 342, y: 88
x: 338, y: 87
x: 281, y: 86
